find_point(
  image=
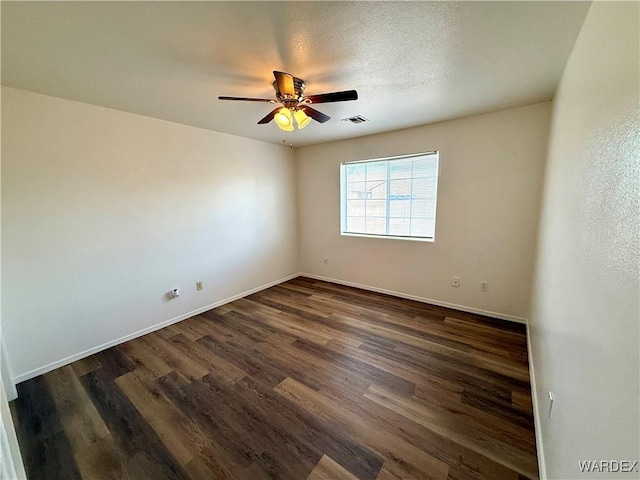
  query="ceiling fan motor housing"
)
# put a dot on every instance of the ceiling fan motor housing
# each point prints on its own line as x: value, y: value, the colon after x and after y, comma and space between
x: 287, y: 99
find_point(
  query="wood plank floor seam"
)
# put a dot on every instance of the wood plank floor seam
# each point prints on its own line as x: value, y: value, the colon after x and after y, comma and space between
x: 304, y: 380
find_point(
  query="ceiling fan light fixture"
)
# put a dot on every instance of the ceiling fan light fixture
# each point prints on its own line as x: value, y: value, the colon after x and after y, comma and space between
x: 284, y: 119
x: 302, y: 119
x: 295, y: 104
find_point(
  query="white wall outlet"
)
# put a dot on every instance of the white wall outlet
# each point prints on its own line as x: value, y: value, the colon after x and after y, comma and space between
x: 455, y: 282
x: 175, y: 293
x: 326, y: 260
x: 484, y: 286
x: 550, y: 403
x: 198, y: 286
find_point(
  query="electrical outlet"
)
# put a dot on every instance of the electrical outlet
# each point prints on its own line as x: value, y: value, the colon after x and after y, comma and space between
x: 455, y: 282
x: 484, y: 286
x: 198, y: 286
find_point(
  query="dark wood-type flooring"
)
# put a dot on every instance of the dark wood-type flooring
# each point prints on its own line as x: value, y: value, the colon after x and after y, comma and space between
x: 304, y: 380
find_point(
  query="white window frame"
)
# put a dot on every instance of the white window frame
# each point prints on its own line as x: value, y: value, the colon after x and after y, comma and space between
x: 343, y: 198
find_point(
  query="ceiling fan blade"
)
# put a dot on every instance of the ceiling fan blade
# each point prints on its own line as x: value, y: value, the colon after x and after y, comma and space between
x: 315, y: 114
x: 333, y: 97
x: 269, y: 116
x: 285, y: 83
x: 244, y: 99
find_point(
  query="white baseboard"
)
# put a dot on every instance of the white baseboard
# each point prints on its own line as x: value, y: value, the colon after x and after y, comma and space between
x: 78, y: 356
x: 542, y: 469
x: 430, y: 301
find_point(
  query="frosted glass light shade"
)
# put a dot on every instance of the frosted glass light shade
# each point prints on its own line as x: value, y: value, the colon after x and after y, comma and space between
x: 284, y: 119
x: 302, y: 119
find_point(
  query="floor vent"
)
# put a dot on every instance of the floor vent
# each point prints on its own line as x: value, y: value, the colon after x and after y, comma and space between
x: 356, y: 119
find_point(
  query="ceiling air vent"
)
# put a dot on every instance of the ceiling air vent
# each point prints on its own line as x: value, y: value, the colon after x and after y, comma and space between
x: 357, y: 119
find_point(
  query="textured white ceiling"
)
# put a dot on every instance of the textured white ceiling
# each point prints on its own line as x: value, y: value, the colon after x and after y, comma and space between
x: 412, y: 63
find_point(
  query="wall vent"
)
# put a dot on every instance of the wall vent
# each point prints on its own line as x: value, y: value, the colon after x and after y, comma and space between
x: 356, y: 119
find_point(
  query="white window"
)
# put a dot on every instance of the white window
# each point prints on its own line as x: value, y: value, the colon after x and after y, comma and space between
x: 390, y: 197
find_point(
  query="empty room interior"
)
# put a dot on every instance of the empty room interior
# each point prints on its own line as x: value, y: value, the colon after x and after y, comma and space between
x: 320, y: 240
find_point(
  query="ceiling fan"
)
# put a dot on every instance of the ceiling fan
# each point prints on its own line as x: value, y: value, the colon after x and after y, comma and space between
x: 295, y: 104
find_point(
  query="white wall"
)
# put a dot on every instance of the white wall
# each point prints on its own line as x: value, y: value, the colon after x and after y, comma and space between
x: 103, y: 212
x: 585, y: 311
x: 491, y: 170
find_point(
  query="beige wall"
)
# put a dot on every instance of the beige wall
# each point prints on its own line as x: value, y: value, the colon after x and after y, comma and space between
x: 491, y: 170
x: 585, y: 313
x: 104, y: 212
